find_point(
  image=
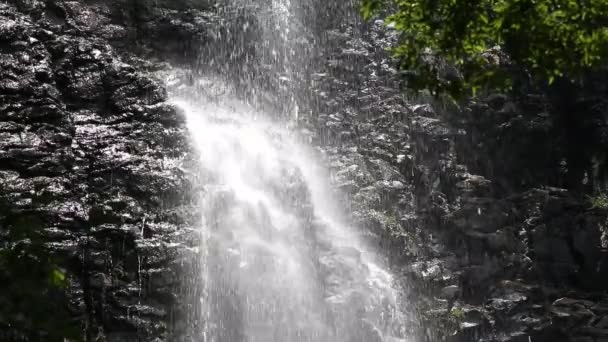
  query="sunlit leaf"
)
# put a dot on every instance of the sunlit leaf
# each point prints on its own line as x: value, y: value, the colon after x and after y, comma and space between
x: 57, y: 278
x: 544, y: 38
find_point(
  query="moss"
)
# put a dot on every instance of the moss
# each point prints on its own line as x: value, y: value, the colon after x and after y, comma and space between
x: 457, y: 313
x: 599, y: 201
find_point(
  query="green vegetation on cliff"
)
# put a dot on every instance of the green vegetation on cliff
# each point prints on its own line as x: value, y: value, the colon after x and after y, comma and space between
x: 547, y: 39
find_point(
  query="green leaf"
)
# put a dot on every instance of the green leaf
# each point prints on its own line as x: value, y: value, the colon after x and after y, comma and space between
x: 546, y: 39
x: 57, y: 278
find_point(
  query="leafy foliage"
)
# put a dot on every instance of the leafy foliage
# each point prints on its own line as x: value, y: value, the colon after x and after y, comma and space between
x: 547, y: 38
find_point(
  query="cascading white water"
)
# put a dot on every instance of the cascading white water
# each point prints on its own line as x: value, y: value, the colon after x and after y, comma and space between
x: 279, y: 262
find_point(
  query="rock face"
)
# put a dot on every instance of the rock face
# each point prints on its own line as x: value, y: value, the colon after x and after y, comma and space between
x: 493, y: 250
x: 90, y: 156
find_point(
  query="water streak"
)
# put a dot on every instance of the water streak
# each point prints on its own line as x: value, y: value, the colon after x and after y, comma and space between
x: 279, y: 261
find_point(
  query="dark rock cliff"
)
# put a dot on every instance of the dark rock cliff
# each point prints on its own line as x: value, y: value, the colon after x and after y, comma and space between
x: 90, y: 160
x: 472, y: 202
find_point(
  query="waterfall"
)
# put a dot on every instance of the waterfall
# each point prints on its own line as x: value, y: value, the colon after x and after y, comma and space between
x: 279, y: 260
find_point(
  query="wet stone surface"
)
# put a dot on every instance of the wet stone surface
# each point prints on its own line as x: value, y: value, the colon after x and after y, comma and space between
x: 91, y: 152
x: 482, y: 263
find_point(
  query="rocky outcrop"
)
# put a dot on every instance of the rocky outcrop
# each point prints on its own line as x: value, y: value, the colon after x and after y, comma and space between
x: 91, y: 161
x: 491, y: 249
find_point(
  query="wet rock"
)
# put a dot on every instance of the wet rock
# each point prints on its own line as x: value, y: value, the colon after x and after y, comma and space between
x: 90, y: 143
x: 481, y: 218
x: 450, y: 292
x: 481, y: 214
x: 572, y: 310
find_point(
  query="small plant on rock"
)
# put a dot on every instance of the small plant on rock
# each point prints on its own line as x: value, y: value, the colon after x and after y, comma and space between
x: 599, y: 201
x: 457, y: 313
